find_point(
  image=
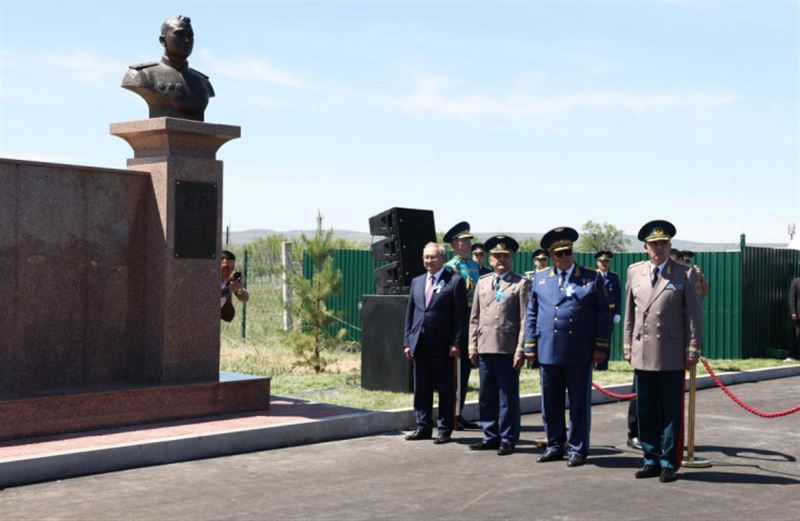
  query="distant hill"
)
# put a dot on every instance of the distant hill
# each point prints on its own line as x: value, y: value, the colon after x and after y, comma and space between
x: 245, y: 236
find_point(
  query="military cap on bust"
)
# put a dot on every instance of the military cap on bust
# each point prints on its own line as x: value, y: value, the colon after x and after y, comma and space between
x: 559, y: 239
x: 501, y: 244
x: 540, y: 254
x: 459, y: 231
x: 658, y: 230
x: 603, y: 255
x: 478, y: 247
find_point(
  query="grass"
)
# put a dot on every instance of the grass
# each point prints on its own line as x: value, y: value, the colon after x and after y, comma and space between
x: 264, y: 352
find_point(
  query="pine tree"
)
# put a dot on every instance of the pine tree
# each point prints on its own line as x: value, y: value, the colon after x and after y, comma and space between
x: 311, y: 338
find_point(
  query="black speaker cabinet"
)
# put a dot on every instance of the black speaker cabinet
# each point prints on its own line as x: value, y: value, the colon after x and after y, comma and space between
x: 383, y: 365
x: 407, y: 232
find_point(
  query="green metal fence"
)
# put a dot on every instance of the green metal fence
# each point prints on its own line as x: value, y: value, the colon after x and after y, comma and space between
x: 767, y: 273
x: 746, y: 313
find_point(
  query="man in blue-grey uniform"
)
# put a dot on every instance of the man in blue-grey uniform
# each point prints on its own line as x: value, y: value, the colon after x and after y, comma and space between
x: 567, y: 331
x: 460, y: 239
x: 611, y: 280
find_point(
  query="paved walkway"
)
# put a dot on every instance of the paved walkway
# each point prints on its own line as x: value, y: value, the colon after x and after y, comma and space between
x: 756, y: 475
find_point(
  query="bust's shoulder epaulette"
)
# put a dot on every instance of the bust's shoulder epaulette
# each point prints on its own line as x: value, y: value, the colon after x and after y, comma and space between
x: 198, y: 73
x: 140, y: 66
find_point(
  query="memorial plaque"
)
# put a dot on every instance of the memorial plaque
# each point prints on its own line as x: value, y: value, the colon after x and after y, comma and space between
x: 195, y: 220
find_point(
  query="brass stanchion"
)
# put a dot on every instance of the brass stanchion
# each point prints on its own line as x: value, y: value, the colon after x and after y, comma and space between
x: 690, y: 460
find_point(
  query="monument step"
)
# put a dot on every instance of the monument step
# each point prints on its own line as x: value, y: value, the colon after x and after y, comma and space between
x: 101, y: 407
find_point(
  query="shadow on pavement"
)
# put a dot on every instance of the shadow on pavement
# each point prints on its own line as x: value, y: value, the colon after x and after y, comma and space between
x: 747, y: 453
x: 737, y: 477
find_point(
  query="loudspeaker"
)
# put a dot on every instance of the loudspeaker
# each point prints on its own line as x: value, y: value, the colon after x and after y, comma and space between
x: 408, y: 232
x: 383, y: 365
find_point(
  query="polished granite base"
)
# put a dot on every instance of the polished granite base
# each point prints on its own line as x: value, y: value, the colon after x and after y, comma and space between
x: 71, y: 410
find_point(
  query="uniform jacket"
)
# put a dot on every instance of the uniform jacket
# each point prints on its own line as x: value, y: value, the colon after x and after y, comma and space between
x: 565, y: 326
x: 614, y: 293
x: 497, y: 321
x: 443, y: 320
x: 794, y: 297
x: 661, y: 322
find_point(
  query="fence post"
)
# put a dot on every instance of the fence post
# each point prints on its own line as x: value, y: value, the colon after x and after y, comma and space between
x: 244, y: 304
x: 286, y: 259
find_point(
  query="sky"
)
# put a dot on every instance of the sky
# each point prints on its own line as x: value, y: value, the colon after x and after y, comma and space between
x: 515, y: 116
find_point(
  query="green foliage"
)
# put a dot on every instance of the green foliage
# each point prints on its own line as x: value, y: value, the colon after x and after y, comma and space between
x: 529, y: 245
x: 605, y: 236
x: 311, y: 339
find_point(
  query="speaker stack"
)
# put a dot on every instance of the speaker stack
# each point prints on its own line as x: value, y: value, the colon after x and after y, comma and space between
x: 406, y: 232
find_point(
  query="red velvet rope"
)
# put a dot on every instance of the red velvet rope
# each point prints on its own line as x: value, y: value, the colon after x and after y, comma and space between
x: 743, y: 405
x: 613, y: 394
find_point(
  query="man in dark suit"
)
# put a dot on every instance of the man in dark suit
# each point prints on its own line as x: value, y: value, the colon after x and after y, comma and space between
x: 434, y: 336
x: 611, y: 281
x: 794, y: 307
x: 567, y: 331
x: 662, y: 336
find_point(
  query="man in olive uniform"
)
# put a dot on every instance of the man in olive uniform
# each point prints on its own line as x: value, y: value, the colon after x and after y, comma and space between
x: 496, y: 332
x: 461, y: 264
x: 540, y: 259
x: 170, y: 87
x: 662, y: 335
x: 478, y: 252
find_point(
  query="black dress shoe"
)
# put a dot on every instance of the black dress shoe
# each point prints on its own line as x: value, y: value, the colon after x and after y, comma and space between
x: 648, y: 471
x: 419, y: 434
x: 575, y: 460
x: 505, y: 449
x: 442, y: 438
x: 667, y: 476
x: 550, y: 455
x: 462, y: 424
x: 485, y: 445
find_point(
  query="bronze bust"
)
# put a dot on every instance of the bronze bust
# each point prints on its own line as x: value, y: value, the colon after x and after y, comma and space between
x: 170, y: 87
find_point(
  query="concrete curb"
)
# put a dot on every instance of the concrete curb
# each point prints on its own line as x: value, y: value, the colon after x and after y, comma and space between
x: 21, y: 471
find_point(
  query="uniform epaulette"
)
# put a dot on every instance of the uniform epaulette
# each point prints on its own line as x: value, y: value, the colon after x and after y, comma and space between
x: 637, y: 263
x: 198, y: 73
x: 485, y: 275
x: 140, y: 66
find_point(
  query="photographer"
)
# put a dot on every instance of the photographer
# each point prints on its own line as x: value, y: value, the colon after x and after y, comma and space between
x: 230, y: 283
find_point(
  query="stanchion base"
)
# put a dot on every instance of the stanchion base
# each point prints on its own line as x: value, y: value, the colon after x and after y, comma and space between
x: 696, y: 463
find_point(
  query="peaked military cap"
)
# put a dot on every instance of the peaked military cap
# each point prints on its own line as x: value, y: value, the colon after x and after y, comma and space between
x: 459, y: 231
x: 559, y: 239
x: 541, y: 254
x: 603, y: 255
x: 687, y: 254
x: 675, y: 253
x: 501, y: 244
x: 658, y: 230
x: 478, y: 247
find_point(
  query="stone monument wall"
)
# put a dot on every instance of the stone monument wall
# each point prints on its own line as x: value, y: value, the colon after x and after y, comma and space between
x: 73, y: 244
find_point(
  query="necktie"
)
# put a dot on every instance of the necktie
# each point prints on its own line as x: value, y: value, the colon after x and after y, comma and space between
x: 563, y: 279
x: 429, y: 290
x: 654, y: 277
x: 497, y: 283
